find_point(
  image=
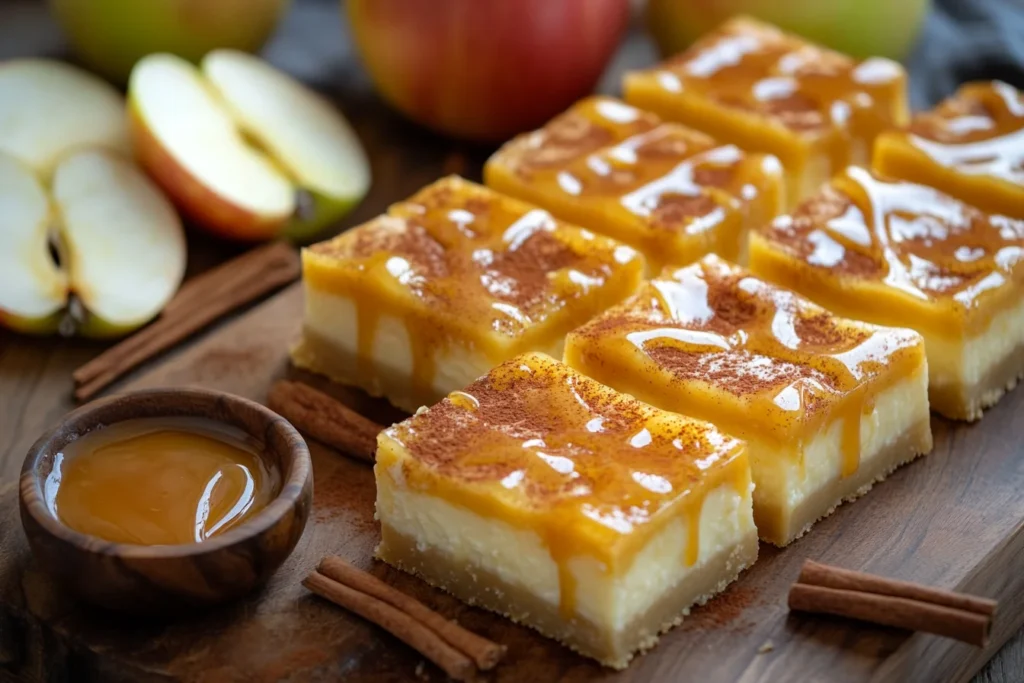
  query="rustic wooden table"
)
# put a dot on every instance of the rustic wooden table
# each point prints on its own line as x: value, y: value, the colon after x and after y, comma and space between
x: 35, y: 384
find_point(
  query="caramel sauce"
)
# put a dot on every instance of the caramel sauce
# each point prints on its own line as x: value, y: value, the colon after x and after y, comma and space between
x: 671, y: 192
x: 592, y: 472
x: 940, y: 258
x: 712, y: 341
x: 979, y: 131
x: 793, y: 86
x: 460, y: 263
x: 159, y: 481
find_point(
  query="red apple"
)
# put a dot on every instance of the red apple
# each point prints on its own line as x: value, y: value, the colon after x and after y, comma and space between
x: 485, y: 69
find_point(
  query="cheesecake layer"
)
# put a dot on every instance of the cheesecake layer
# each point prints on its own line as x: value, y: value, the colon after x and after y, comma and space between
x: 819, y: 399
x: 425, y: 299
x: 610, y: 516
x: 971, y: 146
x: 671, y: 192
x: 749, y: 84
x: 893, y: 252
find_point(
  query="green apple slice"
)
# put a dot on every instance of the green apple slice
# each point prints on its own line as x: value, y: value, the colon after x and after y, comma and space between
x: 122, y: 241
x: 51, y: 108
x: 305, y: 134
x: 188, y: 142
x: 33, y: 290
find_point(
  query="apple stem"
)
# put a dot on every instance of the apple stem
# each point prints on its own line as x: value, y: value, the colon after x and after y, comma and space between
x: 305, y: 205
x: 73, y: 318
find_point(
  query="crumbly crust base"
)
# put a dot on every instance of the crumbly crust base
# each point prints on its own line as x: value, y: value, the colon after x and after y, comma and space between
x: 478, y: 585
x: 780, y: 526
x: 968, y: 402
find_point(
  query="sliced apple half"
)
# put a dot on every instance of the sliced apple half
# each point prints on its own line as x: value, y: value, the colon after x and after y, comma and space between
x: 33, y: 290
x: 100, y: 256
x: 242, y: 148
x: 51, y: 108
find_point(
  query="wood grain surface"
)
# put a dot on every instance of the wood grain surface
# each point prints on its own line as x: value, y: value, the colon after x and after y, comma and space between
x: 935, y: 521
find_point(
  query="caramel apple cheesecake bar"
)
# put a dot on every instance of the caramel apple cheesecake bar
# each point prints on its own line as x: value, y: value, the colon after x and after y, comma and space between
x: 579, y: 511
x: 894, y: 252
x: 750, y: 84
x: 971, y: 146
x: 423, y: 300
x: 828, y: 406
x: 671, y: 192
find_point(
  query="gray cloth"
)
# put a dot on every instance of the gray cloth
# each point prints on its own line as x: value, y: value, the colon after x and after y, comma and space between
x: 965, y: 40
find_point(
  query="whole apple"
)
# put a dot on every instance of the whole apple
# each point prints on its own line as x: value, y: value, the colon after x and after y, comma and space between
x: 861, y: 28
x: 485, y: 69
x: 111, y: 35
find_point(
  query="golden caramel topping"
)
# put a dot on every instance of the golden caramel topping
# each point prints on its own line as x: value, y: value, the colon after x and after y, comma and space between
x: 470, y: 257
x: 592, y: 472
x: 755, y: 67
x: 914, y: 239
x: 978, y: 131
x: 657, y: 185
x: 725, y: 346
x: 588, y: 125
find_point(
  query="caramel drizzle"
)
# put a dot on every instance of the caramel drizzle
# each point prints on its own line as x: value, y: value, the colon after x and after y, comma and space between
x: 469, y: 258
x: 979, y: 131
x: 658, y: 187
x: 570, y: 452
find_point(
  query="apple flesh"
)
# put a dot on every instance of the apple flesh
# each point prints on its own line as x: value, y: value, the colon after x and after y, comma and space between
x: 120, y: 246
x: 860, y: 28
x: 243, y: 149
x: 111, y: 35
x: 485, y: 70
x: 50, y: 108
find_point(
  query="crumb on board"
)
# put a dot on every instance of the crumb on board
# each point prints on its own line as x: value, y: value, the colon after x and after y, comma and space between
x: 766, y: 647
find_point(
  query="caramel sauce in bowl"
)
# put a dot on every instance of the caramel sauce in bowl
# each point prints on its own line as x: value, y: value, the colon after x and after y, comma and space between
x: 166, y: 500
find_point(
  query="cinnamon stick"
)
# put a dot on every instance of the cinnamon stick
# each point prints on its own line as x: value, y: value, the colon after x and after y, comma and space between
x: 832, y: 590
x: 199, y: 302
x: 485, y: 653
x: 319, y: 416
x: 817, y: 574
x: 404, y: 627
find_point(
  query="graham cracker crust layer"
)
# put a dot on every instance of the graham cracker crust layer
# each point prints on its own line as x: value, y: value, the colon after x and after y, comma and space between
x: 478, y: 585
x: 968, y: 402
x: 780, y: 526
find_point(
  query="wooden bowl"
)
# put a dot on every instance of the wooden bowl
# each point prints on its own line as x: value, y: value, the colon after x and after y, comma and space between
x: 171, y: 578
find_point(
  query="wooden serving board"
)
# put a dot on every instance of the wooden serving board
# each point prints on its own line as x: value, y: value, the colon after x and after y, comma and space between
x: 954, y: 519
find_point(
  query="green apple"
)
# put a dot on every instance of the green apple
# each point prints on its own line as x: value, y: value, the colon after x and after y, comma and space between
x: 111, y: 35
x: 50, y: 108
x: 99, y: 252
x: 243, y: 149
x: 861, y: 28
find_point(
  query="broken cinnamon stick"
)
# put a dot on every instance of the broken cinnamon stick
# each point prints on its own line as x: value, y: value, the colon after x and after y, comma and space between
x: 404, y: 627
x: 832, y: 590
x: 485, y: 653
x: 200, y: 301
x: 321, y: 417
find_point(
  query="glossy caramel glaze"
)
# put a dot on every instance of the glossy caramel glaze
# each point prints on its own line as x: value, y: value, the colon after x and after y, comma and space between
x: 672, y: 192
x: 591, y: 471
x: 867, y: 236
x: 712, y: 341
x: 750, y: 84
x: 755, y: 67
x: 460, y: 263
x: 978, y: 131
